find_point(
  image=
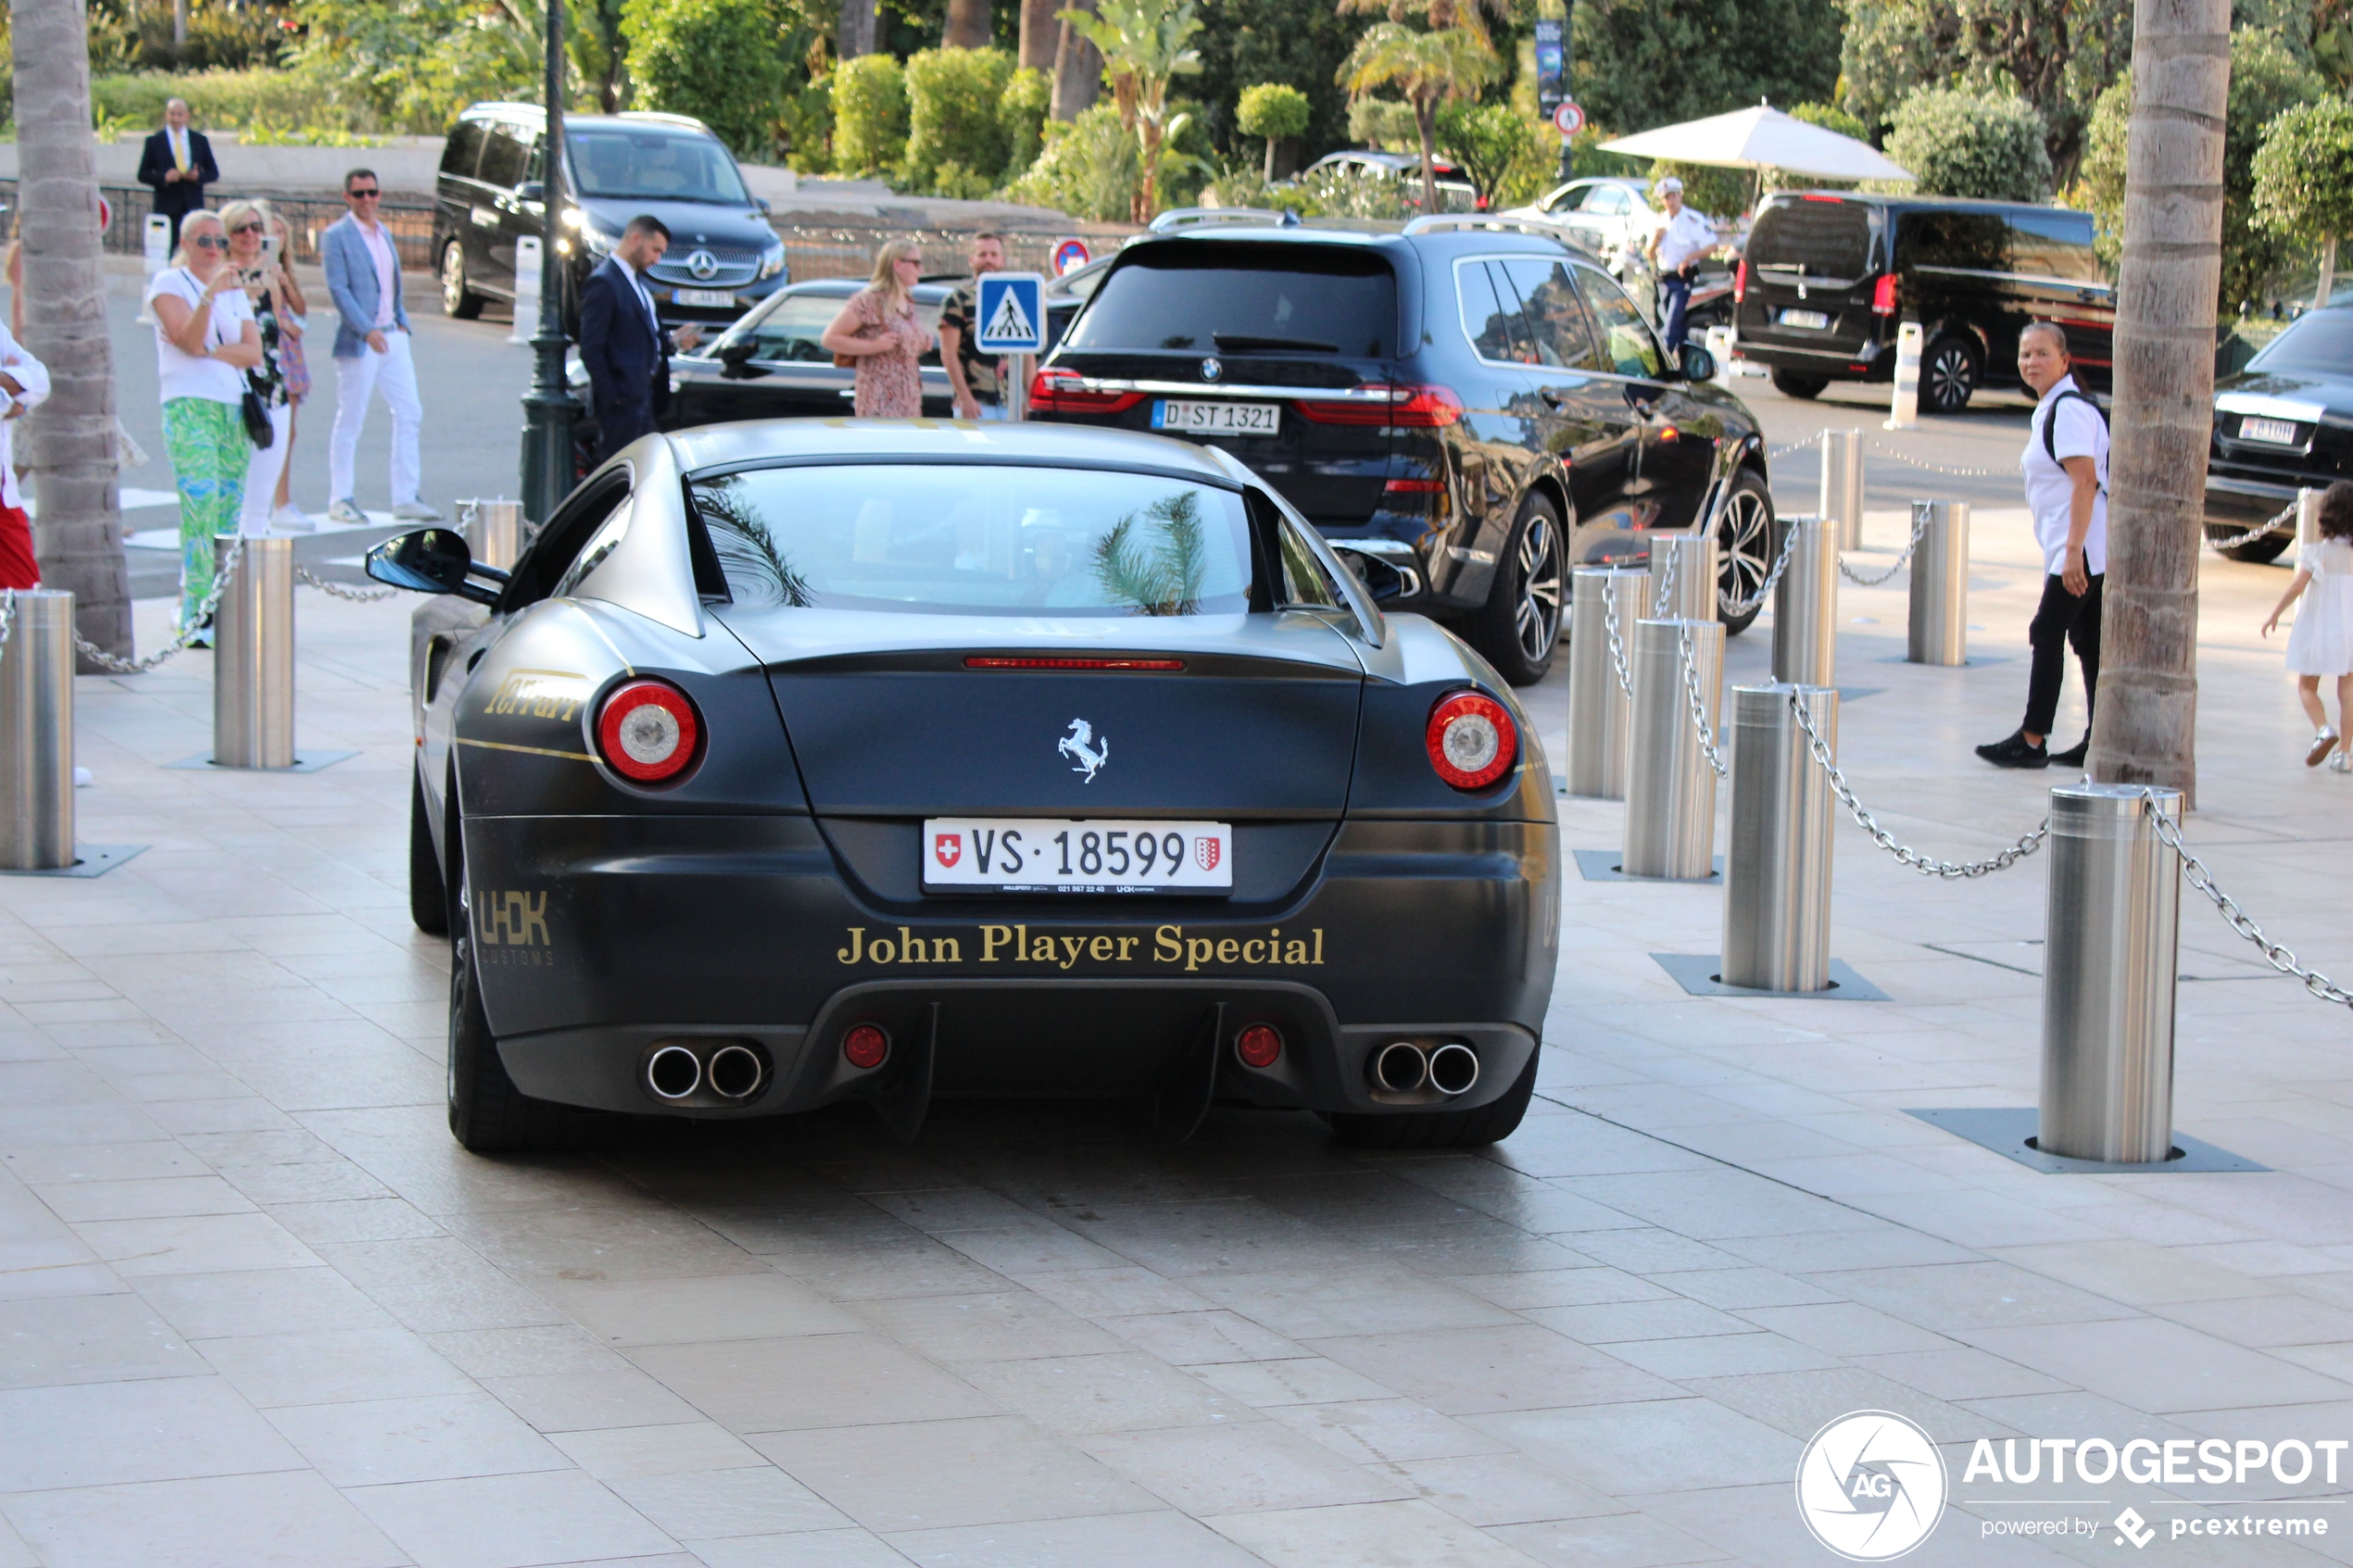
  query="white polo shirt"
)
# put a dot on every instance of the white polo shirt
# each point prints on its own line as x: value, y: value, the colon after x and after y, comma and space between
x: 2049, y: 492
x: 1683, y: 237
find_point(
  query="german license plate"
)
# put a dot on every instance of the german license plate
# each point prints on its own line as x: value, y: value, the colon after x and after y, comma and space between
x: 2280, y: 433
x: 1217, y: 419
x: 1813, y: 318
x: 703, y: 299
x: 1049, y: 855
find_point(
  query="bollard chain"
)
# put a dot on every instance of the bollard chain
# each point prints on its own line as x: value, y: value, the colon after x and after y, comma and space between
x: 2286, y: 514
x: 1910, y: 461
x: 2194, y: 871
x: 1665, y: 596
x: 1924, y: 864
x: 1919, y: 526
x: 304, y: 576
x: 1616, y: 646
x: 187, y: 633
x: 7, y: 614
x: 1787, y: 448
x: 1764, y: 589
x: 1698, y: 704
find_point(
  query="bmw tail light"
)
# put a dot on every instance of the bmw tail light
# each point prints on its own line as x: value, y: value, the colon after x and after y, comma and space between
x: 1067, y: 392
x: 648, y: 731
x: 1412, y: 408
x: 1739, y: 282
x: 1472, y: 742
x: 1883, y: 296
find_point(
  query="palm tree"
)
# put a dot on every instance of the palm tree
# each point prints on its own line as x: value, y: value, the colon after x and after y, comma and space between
x: 1426, y: 69
x: 1146, y: 45
x: 68, y: 442
x: 2146, y: 728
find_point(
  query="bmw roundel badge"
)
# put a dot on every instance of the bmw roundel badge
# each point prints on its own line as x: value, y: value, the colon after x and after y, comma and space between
x: 1212, y: 368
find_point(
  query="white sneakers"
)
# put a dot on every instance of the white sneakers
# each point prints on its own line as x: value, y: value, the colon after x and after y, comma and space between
x: 346, y: 512
x: 415, y: 512
x: 290, y: 520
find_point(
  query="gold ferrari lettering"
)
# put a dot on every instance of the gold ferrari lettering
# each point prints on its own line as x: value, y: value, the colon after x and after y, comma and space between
x: 1064, y: 952
x: 539, y: 693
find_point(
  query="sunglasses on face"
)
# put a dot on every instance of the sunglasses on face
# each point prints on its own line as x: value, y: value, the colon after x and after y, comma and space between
x: 209, y: 242
x: 246, y: 228
x: 363, y: 196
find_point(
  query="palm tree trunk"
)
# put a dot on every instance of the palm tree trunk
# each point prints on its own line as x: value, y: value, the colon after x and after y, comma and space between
x: 1426, y: 122
x: 2172, y: 264
x: 67, y: 443
x: 1147, y: 186
x: 856, y: 35
x: 1039, y: 34
x: 1078, y: 70
x: 969, y: 25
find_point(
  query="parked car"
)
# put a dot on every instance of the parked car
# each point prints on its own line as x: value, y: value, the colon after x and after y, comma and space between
x: 724, y: 255
x: 1065, y: 293
x: 1455, y: 193
x: 1466, y: 409
x: 1606, y: 214
x: 2284, y: 423
x: 1828, y: 279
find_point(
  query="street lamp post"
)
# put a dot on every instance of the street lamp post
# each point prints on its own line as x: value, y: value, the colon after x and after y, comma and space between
x: 548, y: 409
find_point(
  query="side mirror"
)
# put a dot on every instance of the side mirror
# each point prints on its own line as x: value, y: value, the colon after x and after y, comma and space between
x: 734, y: 357
x: 531, y: 191
x: 763, y: 204
x: 1698, y: 363
x: 432, y: 561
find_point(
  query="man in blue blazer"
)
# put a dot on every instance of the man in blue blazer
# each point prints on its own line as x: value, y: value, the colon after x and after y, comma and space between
x: 623, y: 344
x: 371, y: 354
x: 177, y: 162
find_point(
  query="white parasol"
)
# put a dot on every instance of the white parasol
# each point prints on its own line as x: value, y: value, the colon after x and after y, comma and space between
x: 1762, y: 138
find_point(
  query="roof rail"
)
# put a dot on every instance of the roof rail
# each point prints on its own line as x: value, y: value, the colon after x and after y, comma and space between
x: 1440, y: 223
x: 1189, y: 216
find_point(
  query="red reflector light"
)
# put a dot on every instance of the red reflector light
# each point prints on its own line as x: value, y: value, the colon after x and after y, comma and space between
x: 1415, y: 486
x: 865, y: 1045
x: 1471, y: 740
x: 1739, y: 282
x: 647, y: 730
x: 1412, y: 407
x: 1833, y: 200
x: 1259, y: 1045
x: 1883, y: 296
x: 981, y: 661
x: 1067, y: 392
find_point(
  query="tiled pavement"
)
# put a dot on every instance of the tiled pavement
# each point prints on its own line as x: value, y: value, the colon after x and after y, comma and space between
x: 257, y: 1308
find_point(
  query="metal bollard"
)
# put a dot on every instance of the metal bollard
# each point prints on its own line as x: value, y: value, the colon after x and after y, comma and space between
x: 36, y: 735
x: 1842, y: 486
x: 492, y: 530
x: 1598, y: 706
x: 1805, y: 605
x: 1693, y: 590
x: 1776, y: 868
x: 253, y: 675
x: 1904, y: 410
x: 1670, y: 790
x: 2307, y: 519
x: 1939, y: 623
x: 2109, y: 962
x: 527, y: 268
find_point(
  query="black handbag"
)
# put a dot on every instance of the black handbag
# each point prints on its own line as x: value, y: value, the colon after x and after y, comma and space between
x: 256, y: 412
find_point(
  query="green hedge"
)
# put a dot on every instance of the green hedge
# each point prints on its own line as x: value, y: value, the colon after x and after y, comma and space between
x: 951, y: 116
x: 229, y: 100
x: 870, y: 115
x: 713, y: 59
x: 1022, y: 111
x: 1987, y: 145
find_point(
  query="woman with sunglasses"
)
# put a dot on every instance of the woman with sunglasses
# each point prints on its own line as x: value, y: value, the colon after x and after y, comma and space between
x: 877, y: 327
x: 259, y: 274
x: 206, y: 341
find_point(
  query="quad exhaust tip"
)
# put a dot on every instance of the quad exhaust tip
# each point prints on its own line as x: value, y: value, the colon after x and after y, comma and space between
x: 729, y: 1072
x: 1402, y: 1067
x: 674, y: 1072
x: 1453, y: 1068
x: 737, y: 1070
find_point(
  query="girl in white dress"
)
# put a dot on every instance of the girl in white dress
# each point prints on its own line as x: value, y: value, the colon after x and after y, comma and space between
x: 2321, y: 642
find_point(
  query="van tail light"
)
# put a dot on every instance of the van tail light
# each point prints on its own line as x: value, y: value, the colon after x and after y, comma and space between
x: 1471, y: 740
x: 1883, y: 296
x: 1740, y: 283
x: 648, y: 731
x: 1067, y: 392
x: 1411, y: 407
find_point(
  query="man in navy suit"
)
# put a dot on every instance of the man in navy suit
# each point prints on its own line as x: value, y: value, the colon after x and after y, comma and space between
x: 178, y: 162
x: 622, y: 346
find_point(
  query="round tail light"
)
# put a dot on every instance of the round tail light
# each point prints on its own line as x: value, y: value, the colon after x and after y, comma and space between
x: 865, y: 1045
x: 1259, y: 1045
x: 647, y: 731
x: 1471, y: 740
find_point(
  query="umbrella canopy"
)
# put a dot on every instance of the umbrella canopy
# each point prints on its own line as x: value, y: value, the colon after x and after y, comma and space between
x: 1762, y: 138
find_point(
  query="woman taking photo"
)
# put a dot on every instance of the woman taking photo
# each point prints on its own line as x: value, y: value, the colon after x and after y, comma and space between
x: 206, y: 341
x: 263, y: 277
x: 879, y: 330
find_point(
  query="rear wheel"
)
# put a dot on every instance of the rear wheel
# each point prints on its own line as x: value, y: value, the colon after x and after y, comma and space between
x: 1522, y: 618
x: 1788, y: 383
x: 1743, y: 551
x: 457, y: 298
x: 2258, y: 551
x: 1949, y: 374
x: 1443, y: 1129
x: 428, y: 899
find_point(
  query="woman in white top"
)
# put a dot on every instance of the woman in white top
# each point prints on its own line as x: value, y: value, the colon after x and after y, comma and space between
x: 206, y: 341
x: 2321, y: 642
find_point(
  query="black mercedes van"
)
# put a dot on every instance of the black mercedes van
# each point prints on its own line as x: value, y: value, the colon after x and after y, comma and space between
x: 1829, y: 277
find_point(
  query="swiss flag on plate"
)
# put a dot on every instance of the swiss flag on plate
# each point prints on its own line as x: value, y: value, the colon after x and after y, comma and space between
x: 1205, y: 853
x: 947, y: 847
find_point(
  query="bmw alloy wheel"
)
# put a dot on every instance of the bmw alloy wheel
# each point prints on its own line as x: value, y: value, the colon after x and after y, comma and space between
x: 1743, y: 548
x: 1537, y: 617
x: 1949, y: 377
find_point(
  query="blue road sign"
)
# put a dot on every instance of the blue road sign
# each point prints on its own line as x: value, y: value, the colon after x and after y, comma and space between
x: 1013, y: 313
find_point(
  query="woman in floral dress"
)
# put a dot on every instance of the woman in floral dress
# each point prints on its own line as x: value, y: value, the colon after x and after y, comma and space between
x: 879, y: 330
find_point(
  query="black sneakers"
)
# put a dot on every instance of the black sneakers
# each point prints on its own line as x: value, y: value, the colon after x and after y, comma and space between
x: 2015, y: 752
x: 2074, y: 756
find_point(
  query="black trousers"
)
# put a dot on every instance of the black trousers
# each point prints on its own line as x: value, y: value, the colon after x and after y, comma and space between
x: 618, y: 426
x: 2061, y: 620
x: 1676, y: 286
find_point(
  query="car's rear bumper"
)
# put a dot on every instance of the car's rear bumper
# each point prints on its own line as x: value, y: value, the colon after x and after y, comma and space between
x: 2245, y: 501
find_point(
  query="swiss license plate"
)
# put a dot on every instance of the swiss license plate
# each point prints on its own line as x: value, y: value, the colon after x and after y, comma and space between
x: 1217, y: 418
x: 703, y: 299
x: 2280, y: 433
x: 1049, y: 855
x: 1813, y: 318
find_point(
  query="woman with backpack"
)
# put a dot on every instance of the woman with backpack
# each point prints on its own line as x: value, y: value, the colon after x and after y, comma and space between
x: 2066, y: 467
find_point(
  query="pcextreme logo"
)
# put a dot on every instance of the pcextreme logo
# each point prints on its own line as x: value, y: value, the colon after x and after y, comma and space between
x: 1870, y: 1486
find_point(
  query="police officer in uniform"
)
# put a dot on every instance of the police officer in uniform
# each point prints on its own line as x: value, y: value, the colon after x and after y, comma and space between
x: 1675, y: 252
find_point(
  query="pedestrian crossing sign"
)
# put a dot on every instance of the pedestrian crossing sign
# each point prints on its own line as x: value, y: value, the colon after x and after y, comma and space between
x: 1012, y: 310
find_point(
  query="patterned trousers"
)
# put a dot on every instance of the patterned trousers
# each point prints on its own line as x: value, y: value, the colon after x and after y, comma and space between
x: 209, y: 454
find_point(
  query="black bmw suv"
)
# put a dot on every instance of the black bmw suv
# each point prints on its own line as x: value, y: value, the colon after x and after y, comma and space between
x: 1468, y: 408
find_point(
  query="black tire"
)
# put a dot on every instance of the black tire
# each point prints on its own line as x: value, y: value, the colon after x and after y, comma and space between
x: 428, y: 899
x: 1745, y: 549
x: 1521, y: 623
x: 1949, y: 375
x: 1790, y: 383
x: 457, y: 299
x: 2258, y: 552
x: 1443, y: 1129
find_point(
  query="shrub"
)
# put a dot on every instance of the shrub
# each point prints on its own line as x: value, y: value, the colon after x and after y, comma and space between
x: 1385, y: 124
x: 221, y: 99
x: 714, y: 60
x: 1088, y: 168
x: 870, y: 115
x: 951, y: 113
x: 1020, y: 110
x: 1986, y: 145
x: 805, y: 126
x: 1717, y: 193
x: 1274, y: 111
x: 1487, y: 140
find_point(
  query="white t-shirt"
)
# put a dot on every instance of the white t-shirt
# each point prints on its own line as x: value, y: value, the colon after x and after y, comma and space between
x: 185, y: 375
x: 2050, y: 492
x: 1682, y: 237
x: 379, y: 245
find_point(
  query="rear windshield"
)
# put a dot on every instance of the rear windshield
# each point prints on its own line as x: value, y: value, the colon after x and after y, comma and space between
x: 2322, y: 341
x: 1818, y: 239
x: 944, y: 539
x: 1236, y: 299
